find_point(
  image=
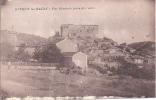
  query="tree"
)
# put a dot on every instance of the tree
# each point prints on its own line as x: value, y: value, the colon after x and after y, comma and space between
x: 48, y: 54
x: 21, y: 55
x: 37, y: 53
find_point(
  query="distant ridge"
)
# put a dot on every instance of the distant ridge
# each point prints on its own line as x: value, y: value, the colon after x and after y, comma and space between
x: 146, y: 48
x: 28, y: 39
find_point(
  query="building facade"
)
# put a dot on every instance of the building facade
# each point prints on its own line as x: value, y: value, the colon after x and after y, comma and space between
x: 67, y: 59
x: 68, y: 48
x: 80, y: 60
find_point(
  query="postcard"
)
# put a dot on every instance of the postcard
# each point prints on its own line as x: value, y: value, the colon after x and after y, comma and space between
x: 77, y: 50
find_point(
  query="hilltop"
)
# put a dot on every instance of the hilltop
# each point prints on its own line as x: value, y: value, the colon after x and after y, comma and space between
x: 146, y: 48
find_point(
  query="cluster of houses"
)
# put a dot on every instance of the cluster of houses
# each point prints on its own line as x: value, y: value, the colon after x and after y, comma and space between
x: 75, y: 56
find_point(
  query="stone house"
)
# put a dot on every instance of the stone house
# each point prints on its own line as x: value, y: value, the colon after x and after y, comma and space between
x: 67, y: 45
x: 67, y: 48
x: 72, y: 58
x: 137, y: 59
x: 110, y: 58
x: 67, y: 59
x: 80, y: 60
x: 149, y: 60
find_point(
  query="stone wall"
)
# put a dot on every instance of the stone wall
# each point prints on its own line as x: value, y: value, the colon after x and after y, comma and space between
x: 79, y: 31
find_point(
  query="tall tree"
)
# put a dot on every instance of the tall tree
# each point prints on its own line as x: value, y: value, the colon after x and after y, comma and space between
x: 21, y: 55
x: 48, y: 53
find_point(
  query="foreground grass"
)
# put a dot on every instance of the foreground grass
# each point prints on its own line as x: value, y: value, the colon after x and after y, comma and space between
x: 19, y: 82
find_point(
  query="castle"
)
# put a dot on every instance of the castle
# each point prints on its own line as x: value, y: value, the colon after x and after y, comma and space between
x: 79, y: 31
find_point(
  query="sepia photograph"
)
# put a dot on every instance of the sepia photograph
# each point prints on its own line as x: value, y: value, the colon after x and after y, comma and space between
x: 74, y: 50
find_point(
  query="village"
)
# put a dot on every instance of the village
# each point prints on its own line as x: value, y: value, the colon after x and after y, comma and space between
x: 74, y: 51
x: 79, y: 48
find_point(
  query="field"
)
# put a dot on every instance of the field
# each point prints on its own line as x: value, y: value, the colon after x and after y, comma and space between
x: 27, y: 81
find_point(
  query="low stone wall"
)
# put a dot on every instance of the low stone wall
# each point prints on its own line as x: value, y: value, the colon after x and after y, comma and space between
x: 30, y: 64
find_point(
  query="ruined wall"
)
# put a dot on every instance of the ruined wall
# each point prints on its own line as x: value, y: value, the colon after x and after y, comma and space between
x: 79, y: 31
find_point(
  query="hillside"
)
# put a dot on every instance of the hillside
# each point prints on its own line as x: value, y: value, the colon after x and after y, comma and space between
x: 94, y: 47
x: 29, y: 39
x: 54, y: 39
x: 146, y: 48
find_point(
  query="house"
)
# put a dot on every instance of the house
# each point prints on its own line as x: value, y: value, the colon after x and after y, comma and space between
x: 138, y: 59
x: 116, y: 51
x: 71, y: 56
x: 113, y: 65
x: 80, y: 59
x: 67, y: 45
x: 149, y: 60
x: 67, y: 59
x: 113, y: 54
x: 68, y: 48
x: 131, y: 50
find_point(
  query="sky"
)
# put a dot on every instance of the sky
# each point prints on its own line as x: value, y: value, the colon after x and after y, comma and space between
x: 121, y: 20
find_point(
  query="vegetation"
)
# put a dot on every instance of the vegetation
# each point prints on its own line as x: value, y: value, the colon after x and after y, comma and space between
x: 6, y: 51
x: 144, y: 48
x: 128, y: 80
x: 48, y: 54
x: 21, y: 54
